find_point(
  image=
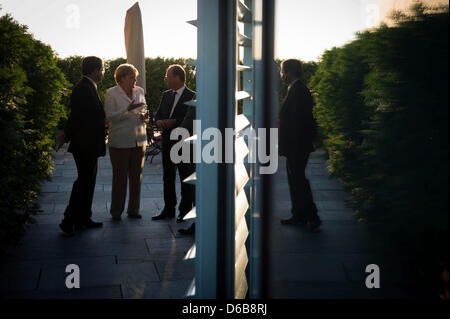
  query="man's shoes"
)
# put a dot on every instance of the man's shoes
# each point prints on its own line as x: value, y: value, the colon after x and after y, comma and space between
x: 91, y: 224
x: 181, y: 216
x: 159, y: 217
x: 116, y: 218
x: 164, y: 214
x: 314, y: 225
x: 293, y: 221
x: 180, y: 219
x: 188, y: 231
x: 68, y: 230
x: 138, y: 216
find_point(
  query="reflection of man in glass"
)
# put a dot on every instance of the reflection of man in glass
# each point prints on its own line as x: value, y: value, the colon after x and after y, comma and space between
x: 295, y: 142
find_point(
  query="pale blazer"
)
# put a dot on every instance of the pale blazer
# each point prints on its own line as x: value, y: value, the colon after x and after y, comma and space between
x: 126, y: 128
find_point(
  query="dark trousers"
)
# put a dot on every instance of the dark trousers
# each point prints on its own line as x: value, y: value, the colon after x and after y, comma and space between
x: 187, y: 190
x: 79, y: 210
x: 303, y: 206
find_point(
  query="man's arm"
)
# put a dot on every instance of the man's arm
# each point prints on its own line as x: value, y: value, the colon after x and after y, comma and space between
x: 302, y: 116
x: 158, y: 115
x: 169, y: 123
x: 74, y: 119
x: 188, y: 120
x: 178, y: 122
x: 82, y: 119
x: 159, y: 120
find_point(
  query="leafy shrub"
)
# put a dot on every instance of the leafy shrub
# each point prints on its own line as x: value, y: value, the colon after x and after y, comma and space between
x: 31, y: 87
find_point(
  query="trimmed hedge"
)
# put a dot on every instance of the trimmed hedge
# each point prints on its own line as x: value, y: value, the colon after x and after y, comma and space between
x: 31, y: 87
x: 382, y: 108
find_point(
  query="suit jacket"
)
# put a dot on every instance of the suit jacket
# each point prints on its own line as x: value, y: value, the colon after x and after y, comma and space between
x: 85, y: 127
x: 188, y: 121
x: 296, y: 131
x: 126, y: 129
x: 178, y: 113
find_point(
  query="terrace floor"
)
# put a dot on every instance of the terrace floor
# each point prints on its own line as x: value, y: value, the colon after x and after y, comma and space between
x: 144, y: 258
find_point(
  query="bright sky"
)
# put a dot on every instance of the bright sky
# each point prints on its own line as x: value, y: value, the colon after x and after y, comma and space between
x: 305, y: 28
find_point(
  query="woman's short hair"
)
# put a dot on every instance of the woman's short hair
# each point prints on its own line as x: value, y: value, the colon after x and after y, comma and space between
x: 124, y: 70
x: 91, y: 63
x: 177, y: 70
x: 293, y: 67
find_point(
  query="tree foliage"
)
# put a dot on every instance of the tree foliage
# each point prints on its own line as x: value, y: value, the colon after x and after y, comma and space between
x: 31, y: 87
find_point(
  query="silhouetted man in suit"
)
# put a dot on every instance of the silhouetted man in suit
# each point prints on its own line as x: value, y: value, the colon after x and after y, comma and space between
x: 296, y: 134
x: 170, y: 115
x: 85, y: 130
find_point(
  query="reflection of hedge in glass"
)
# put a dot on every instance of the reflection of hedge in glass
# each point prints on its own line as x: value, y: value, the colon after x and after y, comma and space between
x: 31, y: 87
x: 382, y: 107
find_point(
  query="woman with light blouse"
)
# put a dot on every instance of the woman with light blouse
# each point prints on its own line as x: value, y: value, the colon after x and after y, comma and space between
x: 127, y: 139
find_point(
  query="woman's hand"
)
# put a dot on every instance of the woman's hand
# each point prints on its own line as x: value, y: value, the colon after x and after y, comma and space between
x: 132, y: 106
x: 145, y: 117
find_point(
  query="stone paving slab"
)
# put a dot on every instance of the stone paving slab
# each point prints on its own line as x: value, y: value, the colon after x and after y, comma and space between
x: 156, y: 290
x: 93, y: 275
x: 27, y: 275
x: 335, y: 290
x: 24, y: 277
x: 176, y: 246
x: 135, y: 234
x: 106, y: 292
x: 173, y: 270
x: 309, y: 267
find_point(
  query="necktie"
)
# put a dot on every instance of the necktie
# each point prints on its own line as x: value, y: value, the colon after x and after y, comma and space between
x: 171, y: 103
x: 96, y: 91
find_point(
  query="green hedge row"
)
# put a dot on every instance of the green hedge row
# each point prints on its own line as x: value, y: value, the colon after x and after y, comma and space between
x: 382, y: 108
x: 31, y: 87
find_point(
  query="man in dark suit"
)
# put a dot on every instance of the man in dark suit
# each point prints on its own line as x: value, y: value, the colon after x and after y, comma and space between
x: 296, y: 135
x: 170, y: 115
x: 85, y: 130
